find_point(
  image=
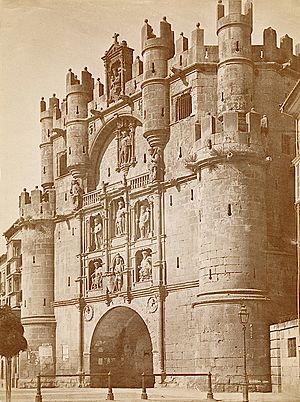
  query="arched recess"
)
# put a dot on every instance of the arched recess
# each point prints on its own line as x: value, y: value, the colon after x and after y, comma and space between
x: 121, y: 344
x: 100, y: 143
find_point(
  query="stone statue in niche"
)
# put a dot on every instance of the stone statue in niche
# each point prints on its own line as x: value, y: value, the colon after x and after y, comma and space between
x: 77, y: 194
x: 125, y: 132
x: 144, y: 221
x: 145, y: 268
x: 98, y: 232
x: 120, y: 224
x: 116, y: 279
x: 156, y: 166
x: 97, y: 277
x: 264, y: 125
x: 115, y: 82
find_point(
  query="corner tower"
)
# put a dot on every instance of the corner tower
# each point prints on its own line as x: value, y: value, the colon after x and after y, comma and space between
x: 235, y: 68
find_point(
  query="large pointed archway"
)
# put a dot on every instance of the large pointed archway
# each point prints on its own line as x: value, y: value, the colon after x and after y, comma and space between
x: 121, y: 344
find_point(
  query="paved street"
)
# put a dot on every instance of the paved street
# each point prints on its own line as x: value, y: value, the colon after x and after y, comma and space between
x: 157, y: 394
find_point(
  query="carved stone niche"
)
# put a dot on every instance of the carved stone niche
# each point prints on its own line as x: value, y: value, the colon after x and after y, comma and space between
x: 95, y: 232
x: 142, y: 219
x: 125, y: 136
x: 143, y: 265
x: 115, y: 277
x: 95, y: 275
x: 118, y: 217
x: 118, y: 68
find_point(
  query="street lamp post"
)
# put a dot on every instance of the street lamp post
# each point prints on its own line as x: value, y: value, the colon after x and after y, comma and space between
x: 244, y: 316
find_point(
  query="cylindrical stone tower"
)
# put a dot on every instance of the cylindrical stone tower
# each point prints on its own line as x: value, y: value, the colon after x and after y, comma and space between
x: 37, y: 285
x: 78, y: 96
x: 232, y: 261
x: 235, y: 68
x: 155, y: 88
x: 46, y: 147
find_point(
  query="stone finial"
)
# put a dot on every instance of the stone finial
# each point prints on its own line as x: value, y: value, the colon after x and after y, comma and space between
x: 146, y: 21
x: 198, y: 25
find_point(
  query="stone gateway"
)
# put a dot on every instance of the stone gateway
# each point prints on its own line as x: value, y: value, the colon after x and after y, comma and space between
x: 166, y: 203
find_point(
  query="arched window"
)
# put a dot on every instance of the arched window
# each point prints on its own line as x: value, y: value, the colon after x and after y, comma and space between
x: 183, y: 106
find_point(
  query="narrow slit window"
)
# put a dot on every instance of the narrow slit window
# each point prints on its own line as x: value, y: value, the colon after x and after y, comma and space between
x: 145, y: 114
x: 73, y: 231
x: 44, y: 169
x: 192, y: 194
x: 177, y: 262
x: 229, y: 210
x: 58, y: 235
x: 145, y: 158
x: 206, y: 53
x: 248, y: 141
x: 69, y: 281
x: 153, y: 68
x: 33, y: 259
x: 108, y: 172
x: 210, y: 275
x: 70, y: 151
x: 171, y: 200
x: 180, y: 153
x: 66, y: 196
x: 44, y: 302
x: 41, y: 210
x: 237, y: 46
x: 162, y: 111
x: 261, y: 54
x: 48, y: 132
x: 77, y: 110
x: 180, y: 60
x: 222, y: 96
x: 83, y: 149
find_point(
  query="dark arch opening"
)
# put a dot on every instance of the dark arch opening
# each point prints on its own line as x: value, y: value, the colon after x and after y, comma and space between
x: 121, y: 344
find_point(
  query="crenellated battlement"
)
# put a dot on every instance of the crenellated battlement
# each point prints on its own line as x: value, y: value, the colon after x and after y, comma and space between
x: 83, y: 85
x: 37, y: 204
x: 165, y: 38
x: 238, y: 134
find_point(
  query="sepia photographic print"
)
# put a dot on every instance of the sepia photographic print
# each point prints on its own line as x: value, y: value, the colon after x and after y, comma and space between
x: 150, y: 200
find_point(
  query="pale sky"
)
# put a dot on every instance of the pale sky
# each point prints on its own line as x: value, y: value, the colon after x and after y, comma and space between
x: 41, y: 39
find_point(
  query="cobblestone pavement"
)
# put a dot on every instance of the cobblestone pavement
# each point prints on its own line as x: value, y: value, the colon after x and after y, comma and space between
x: 157, y: 394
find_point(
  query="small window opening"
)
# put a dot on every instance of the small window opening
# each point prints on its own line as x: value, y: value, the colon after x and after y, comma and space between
x: 44, y: 302
x: 77, y: 110
x: 145, y: 158
x: 73, y: 231
x: 145, y: 114
x: 222, y: 96
x: 180, y: 60
x: 135, y: 84
x: 33, y: 259
x: 69, y: 150
x: 108, y: 172
x: 41, y: 210
x: 248, y: 141
x: 58, y: 235
x: 177, y: 262
x: 237, y: 46
x: 162, y: 111
x: 229, y: 210
x: 48, y: 132
x: 200, y: 216
x: 192, y: 194
x: 24, y: 303
x: 69, y: 281
x: 180, y: 153
x: 83, y: 149
x: 261, y: 54
x: 153, y: 68
x: 183, y: 106
x: 209, y: 144
x: 66, y: 196
x: 292, y: 350
x: 210, y: 275
x: 64, y: 121
x: 171, y: 200
x: 206, y: 53
x: 44, y: 169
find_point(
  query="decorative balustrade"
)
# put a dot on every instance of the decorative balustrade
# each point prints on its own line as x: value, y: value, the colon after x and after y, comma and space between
x: 139, y: 181
x: 95, y: 197
x: 92, y: 198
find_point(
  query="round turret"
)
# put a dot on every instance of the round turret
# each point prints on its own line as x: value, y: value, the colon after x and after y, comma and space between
x: 156, y: 52
x: 235, y: 68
